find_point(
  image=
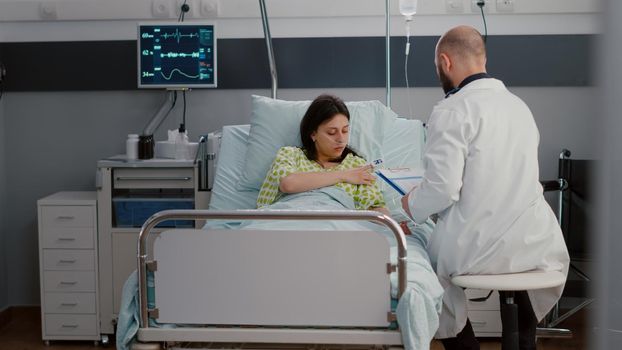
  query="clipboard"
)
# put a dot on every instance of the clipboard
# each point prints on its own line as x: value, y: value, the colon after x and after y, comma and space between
x: 403, y: 180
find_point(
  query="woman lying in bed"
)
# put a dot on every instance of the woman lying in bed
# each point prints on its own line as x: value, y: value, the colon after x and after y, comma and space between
x: 324, y: 160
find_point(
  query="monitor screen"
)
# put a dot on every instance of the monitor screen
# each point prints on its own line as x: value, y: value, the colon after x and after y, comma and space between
x: 176, y: 55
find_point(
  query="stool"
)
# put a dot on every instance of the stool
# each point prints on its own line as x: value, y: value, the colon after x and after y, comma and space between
x: 507, y: 284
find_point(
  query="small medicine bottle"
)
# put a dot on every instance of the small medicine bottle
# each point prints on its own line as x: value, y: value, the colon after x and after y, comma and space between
x: 131, y: 147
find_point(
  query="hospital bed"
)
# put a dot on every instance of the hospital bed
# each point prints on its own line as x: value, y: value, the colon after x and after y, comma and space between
x: 291, y: 275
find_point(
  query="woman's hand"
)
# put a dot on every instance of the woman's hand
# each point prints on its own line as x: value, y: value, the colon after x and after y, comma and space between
x: 405, y: 228
x: 359, y: 176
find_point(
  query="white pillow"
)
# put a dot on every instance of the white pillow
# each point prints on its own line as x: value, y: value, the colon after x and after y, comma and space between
x: 402, y: 147
x: 276, y: 123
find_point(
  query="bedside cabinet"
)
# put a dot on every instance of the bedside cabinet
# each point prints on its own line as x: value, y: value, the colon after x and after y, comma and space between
x: 485, y: 316
x: 68, y: 266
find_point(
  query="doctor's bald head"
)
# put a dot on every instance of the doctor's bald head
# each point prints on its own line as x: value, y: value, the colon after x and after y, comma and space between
x: 465, y: 44
x: 459, y: 53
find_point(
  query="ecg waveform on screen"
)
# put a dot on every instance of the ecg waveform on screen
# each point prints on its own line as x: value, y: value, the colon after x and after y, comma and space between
x: 170, y: 76
x: 177, y: 35
x: 180, y: 54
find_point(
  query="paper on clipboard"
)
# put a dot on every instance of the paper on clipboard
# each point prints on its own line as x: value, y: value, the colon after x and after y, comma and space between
x: 403, y: 180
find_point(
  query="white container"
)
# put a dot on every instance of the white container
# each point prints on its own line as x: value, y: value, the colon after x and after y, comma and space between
x: 166, y: 149
x: 408, y: 8
x: 131, y: 147
x: 181, y: 146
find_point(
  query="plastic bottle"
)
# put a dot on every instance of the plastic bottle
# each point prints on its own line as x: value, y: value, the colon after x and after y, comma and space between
x: 181, y: 146
x: 131, y: 147
x: 408, y: 8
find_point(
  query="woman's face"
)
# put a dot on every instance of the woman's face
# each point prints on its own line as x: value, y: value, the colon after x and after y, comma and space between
x: 331, y: 137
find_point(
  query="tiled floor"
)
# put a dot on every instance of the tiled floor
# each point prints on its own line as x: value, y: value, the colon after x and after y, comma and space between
x: 24, y: 332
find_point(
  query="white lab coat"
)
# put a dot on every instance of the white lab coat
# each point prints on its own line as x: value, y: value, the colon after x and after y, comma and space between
x: 481, y: 177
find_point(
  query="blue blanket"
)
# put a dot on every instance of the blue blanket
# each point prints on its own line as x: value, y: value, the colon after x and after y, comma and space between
x: 418, y: 308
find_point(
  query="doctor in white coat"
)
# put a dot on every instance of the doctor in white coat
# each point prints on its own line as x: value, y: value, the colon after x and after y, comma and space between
x: 481, y: 179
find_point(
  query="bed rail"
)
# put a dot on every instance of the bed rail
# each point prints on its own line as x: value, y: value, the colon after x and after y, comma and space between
x: 345, y: 215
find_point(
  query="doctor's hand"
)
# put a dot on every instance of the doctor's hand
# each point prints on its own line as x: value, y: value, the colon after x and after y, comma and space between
x: 359, y: 176
x: 405, y: 205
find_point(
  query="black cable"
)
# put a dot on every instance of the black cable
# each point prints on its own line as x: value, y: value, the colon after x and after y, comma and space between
x: 174, y: 100
x: 182, y: 11
x: 481, y: 8
x: 182, y: 127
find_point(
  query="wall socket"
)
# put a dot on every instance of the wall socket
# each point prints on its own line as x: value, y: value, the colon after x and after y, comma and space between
x: 208, y: 9
x: 505, y: 6
x: 454, y: 6
x: 487, y: 6
x: 47, y: 10
x: 161, y: 8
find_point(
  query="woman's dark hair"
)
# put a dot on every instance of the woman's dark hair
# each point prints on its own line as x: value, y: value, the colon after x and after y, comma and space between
x: 323, y: 108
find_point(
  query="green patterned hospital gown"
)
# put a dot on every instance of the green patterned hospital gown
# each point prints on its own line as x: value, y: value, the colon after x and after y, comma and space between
x: 293, y: 160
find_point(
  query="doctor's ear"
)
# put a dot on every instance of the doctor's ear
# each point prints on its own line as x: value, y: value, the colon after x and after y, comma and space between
x: 444, y: 62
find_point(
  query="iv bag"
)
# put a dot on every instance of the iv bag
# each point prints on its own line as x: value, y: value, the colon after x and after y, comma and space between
x: 408, y: 7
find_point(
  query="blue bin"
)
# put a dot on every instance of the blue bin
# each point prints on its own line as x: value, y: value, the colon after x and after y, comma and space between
x: 133, y: 212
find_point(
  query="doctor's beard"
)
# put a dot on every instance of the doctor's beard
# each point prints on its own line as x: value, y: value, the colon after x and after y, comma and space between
x: 445, y: 82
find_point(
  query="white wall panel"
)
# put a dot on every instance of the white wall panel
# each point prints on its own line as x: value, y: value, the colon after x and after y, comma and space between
x: 28, y: 10
x: 71, y: 20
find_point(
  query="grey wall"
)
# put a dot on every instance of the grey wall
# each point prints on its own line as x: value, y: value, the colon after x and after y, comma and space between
x: 56, y: 138
x: 4, y: 302
x: 608, y: 315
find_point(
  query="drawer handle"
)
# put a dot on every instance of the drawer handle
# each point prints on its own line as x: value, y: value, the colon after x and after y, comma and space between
x: 66, y: 239
x: 64, y: 217
x: 69, y: 326
x: 67, y: 261
x: 479, y: 323
x: 68, y: 304
x: 68, y: 283
x: 163, y: 178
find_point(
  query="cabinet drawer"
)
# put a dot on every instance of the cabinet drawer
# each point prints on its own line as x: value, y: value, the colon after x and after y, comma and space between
x: 67, y: 216
x: 70, y: 303
x: 491, y: 304
x: 70, y: 324
x: 485, y: 321
x: 154, y: 178
x: 69, y: 237
x: 64, y: 259
x: 69, y: 281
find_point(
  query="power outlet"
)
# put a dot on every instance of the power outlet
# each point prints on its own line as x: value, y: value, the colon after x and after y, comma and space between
x: 208, y: 9
x: 505, y: 6
x: 161, y: 8
x: 475, y: 7
x: 47, y: 10
x: 454, y: 6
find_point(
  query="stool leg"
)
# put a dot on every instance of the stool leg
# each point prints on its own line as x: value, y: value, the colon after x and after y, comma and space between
x: 509, y: 322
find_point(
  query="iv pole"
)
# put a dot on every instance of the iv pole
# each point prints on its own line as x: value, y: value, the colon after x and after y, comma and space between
x: 270, y: 49
x: 388, y: 52
x: 266, y: 32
